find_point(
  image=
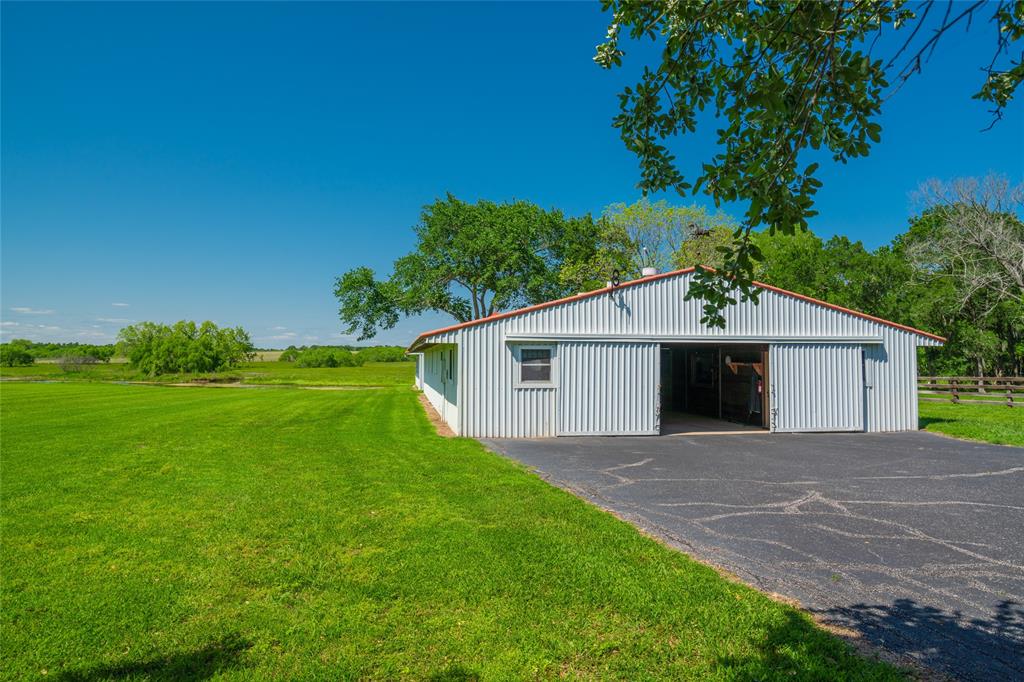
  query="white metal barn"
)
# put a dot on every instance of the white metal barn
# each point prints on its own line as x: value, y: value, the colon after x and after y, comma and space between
x: 621, y: 360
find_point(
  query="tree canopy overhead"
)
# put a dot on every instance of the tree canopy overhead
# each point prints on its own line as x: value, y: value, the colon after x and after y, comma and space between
x: 783, y: 80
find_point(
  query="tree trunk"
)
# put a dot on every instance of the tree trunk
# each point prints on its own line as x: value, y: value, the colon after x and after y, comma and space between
x: 476, y: 305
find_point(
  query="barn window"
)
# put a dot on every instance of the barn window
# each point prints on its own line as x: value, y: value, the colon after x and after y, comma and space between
x: 535, y: 365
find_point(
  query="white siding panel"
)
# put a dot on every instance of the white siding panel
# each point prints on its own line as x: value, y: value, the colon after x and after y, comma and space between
x: 608, y: 388
x: 493, y: 406
x: 816, y: 387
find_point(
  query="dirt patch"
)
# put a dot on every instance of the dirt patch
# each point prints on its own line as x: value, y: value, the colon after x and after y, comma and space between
x: 442, y: 429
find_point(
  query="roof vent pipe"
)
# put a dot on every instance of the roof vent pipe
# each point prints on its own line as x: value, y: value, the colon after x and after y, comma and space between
x: 647, y: 272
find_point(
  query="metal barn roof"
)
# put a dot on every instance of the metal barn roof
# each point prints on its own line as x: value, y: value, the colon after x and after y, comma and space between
x: 422, y: 338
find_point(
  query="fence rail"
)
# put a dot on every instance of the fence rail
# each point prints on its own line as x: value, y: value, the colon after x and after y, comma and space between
x: 971, y: 390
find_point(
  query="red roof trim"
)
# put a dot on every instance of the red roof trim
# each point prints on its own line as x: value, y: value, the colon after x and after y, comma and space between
x: 654, y: 278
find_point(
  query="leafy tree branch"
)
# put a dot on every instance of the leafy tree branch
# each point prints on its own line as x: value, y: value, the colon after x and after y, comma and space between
x: 785, y: 79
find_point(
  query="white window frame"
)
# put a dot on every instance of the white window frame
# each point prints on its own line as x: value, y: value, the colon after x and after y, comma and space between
x: 517, y: 353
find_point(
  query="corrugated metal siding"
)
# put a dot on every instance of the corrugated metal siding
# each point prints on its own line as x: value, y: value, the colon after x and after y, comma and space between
x: 441, y: 393
x: 816, y: 387
x: 892, y: 371
x: 608, y: 388
x: 492, y: 406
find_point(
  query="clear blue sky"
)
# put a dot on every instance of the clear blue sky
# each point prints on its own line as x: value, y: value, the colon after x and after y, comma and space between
x: 227, y: 161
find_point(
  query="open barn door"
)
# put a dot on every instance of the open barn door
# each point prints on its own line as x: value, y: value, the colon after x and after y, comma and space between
x: 816, y: 387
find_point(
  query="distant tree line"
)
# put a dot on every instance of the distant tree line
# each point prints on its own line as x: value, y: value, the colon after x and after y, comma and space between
x: 22, y: 352
x: 342, y: 356
x: 958, y: 270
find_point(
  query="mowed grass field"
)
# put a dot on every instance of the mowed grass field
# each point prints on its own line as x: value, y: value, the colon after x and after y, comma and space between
x: 154, y: 532
x: 991, y: 423
x: 258, y: 373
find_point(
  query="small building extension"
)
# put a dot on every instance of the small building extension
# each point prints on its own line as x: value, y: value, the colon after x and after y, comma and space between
x: 634, y: 359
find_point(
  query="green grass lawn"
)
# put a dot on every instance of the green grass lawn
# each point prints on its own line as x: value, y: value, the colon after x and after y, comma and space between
x: 991, y: 423
x: 371, y: 374
x: 155, y: 532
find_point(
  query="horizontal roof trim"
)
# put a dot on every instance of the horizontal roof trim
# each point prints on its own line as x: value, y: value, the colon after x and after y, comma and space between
x: 691, y: 338
x: 654, y: 278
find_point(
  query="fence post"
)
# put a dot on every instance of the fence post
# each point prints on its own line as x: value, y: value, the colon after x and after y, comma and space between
x: 956, y: 395
x: 1009, y: 394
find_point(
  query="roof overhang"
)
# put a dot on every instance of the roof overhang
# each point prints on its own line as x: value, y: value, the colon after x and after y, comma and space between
x: 423, y: 343
x: 732, y: 339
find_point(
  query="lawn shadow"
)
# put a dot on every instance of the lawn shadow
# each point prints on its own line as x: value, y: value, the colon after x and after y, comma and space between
x: 903, y: 632
x: 201, y: 664
x: 974, y: 648
x: 925, y: 422
x: 796, y: 649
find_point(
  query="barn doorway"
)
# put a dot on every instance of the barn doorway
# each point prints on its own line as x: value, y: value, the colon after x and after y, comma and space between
x: 713, y: 388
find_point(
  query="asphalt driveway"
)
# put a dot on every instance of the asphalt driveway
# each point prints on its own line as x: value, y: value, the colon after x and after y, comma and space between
x: 913, y: 539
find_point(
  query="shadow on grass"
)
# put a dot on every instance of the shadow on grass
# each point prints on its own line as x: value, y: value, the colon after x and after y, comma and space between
x: 796, y: 649
x: 925, y: 422
x: 979, y: 648
x: 983, y: 649
x: 201, y: 664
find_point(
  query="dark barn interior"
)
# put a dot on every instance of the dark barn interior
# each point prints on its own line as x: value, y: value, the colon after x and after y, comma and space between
x: 720, y: 382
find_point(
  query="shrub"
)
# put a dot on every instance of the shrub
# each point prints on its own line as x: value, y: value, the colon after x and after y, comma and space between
x: 184, y: 347
x: 384, y: 354
x: 15, y: 354
x: 289, y: 354
x: 97, y: 353
x: 325, y: 356
x: 74, y: 363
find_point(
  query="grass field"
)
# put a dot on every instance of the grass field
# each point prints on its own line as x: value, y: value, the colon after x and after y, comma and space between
x: 991, y: 423
x: 282, y: 373
x: 154, y: 532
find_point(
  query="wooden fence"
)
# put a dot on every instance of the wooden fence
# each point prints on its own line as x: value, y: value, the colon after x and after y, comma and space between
x: 971, y: 390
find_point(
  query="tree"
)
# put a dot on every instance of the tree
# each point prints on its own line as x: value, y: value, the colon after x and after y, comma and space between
x: 782, y: 80
x: 704, y: 247
x: 974, y: 237
x: 383, y: 354
x: 663, y: 236
x: 472, y: 260
x: 600, y: 249
x: 184, y: 346
x: 793, y: 262
x: 16, y: 354
x: 366, y: 304
x: 967, y: 249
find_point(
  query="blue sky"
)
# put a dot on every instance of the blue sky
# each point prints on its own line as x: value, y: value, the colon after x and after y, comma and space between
x: 227, y: 161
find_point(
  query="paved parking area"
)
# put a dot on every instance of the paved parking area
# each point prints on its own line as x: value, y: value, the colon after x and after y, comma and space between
x: 913, y: 539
